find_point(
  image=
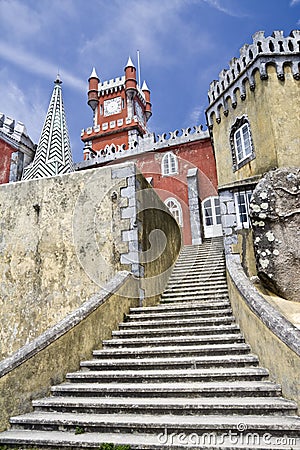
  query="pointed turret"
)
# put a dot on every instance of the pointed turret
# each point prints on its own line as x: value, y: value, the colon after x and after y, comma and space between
x: 130, y: 78
x: 53, y: 155
x: 148, y: 109
x: 93, y: 89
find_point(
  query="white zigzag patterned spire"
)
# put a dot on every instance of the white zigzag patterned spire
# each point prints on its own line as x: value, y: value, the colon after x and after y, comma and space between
x: 53, y: 155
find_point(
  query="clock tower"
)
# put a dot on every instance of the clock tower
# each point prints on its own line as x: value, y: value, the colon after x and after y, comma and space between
x: 121, y: 109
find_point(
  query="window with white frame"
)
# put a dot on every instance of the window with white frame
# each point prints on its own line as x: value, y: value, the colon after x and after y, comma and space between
x: 242, y: 201
x: 175, y: 209
x: 169, y: 164
x: 241, y: 143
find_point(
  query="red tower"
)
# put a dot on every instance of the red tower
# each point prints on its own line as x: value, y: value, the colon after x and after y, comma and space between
x: 121, y: 111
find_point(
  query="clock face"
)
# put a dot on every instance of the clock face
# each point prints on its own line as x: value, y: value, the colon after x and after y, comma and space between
x: 138, y: 110
x: 112, y: 106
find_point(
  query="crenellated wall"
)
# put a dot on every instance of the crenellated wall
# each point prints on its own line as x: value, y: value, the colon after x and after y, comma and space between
x: 274, y: 50
x: 268, y: 99
x: 16, y: 149
x: 140, y: 145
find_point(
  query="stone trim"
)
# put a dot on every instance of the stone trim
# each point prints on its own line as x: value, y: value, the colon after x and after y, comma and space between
x: 247, y: 182
x: 130, y: 231
x: 194, y: 196
x: 270, y: 316
x: 70, y: 321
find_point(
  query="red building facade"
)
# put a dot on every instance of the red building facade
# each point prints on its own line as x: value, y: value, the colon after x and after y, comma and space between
x: 16, y: 149
x: 180, y: 167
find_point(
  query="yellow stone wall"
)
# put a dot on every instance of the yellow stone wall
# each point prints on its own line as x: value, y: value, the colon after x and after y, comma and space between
x: 273, y: 112
x: 281, y: 360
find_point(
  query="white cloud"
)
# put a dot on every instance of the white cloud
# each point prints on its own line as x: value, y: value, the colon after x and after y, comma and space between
x: 230, y: 12
x: 37, y: 65
x: 159, y: 31
x: 22, y: 20
x: 28, y: 108
x: 196, y: 115
x: 18, y: 21
x: 294, y: 2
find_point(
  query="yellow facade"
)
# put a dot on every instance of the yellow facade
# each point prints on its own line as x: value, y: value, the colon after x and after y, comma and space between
x: 272, y: 109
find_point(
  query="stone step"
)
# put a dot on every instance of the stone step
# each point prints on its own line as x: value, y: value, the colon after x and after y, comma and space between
x: 207, y: 341
x: 199, y: 270
x: 178, y: 323
x: 162, y: 390
x: 206, y: 287
x: 197, y: 294
x: 184, y: 306
x: 194, y: 406
x: 169, y: 375
x: 180, y: 331
x: 190, y: 277
x: 195, y: 362
x: 166, y: 298
x: 171, y: 314
x: 175, y: 439
x: 173, y: 350
x: 203, y: 250
x: 157, y: 423
x: 197, y: 285
x: 200, y: 265
x: 201, y: 260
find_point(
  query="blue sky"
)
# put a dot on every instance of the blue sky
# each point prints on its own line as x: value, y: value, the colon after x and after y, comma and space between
x: 183, y: 46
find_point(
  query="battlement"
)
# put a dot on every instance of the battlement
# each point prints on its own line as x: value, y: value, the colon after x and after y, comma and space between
x: 147, y: 143
x: 115, y: 85
x: 110, y: 86
x: 275, y: 50
x: 14, y: 132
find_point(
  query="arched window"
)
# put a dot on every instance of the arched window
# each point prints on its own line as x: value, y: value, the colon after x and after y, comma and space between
x: 241, y: 143
x: 175, y: 209
x: 169, y: 164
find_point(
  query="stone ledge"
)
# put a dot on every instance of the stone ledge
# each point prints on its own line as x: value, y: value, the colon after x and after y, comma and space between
x: 62, y: 327
x: 270, y: 316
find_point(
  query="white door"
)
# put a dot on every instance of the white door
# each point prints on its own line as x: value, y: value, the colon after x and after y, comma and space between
x: 212, y: 217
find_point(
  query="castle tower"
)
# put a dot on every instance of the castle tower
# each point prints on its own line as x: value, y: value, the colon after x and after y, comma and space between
x: 253, y: 116
x: 53, y: 155
x: 121, y: 110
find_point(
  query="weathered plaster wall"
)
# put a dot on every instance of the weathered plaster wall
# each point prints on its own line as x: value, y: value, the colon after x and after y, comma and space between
x: 160, y: 240
x: 61, y: 239
x: 44, y: 262
x: 30, y: 373
x: 272, y: 109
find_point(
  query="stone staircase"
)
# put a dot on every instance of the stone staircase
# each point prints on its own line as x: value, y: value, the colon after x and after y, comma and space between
x: 178, y: 375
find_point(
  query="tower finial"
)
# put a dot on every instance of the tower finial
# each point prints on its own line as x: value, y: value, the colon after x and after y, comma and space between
x: 58, y: 80
x: 94, y: 74
x: 129, y: 63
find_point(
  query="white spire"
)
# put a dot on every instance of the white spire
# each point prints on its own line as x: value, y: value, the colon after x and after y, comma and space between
x: 129, y: 63
x: 53, y: 155
x: 94, y: 74
x: 145, y: 87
